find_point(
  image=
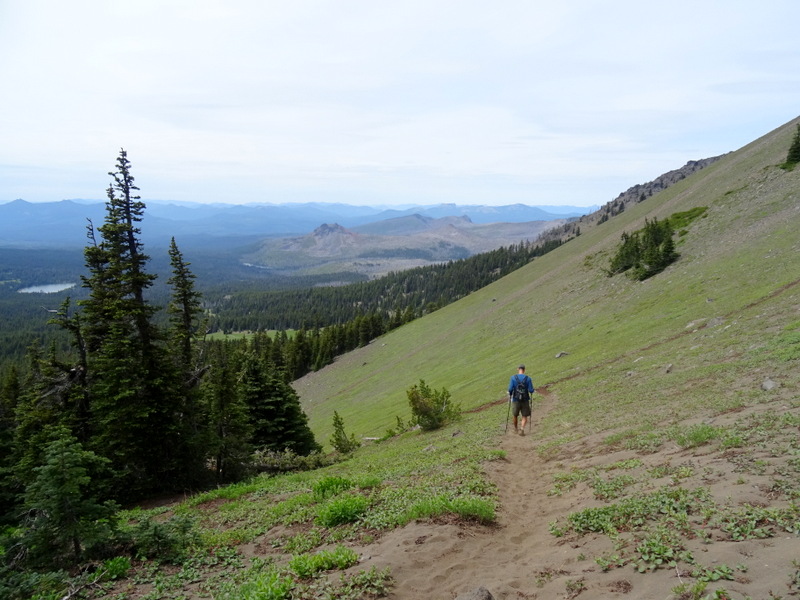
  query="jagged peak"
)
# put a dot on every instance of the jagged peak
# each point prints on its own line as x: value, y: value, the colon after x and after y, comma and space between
x: 329, y: 229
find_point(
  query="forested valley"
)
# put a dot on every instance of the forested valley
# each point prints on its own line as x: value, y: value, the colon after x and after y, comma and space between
x: 117, y: 399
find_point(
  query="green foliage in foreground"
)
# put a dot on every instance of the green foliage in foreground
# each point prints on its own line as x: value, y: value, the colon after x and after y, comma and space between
x: 330, y: 486
x: 270, y: 585
x: 273, y: 584
x: 306, y: 566
x: 469, y: 509
x: 342, y: 510
x: 415, y: 475
x: 63, y: 524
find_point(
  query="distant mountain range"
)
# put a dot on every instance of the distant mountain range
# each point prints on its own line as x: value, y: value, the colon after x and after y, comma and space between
x: 63, y: 224
x: 320, y: 240
x: 394, y: 244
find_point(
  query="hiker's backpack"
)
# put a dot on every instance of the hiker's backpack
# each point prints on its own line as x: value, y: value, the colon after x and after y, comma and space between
x: 521, y: 393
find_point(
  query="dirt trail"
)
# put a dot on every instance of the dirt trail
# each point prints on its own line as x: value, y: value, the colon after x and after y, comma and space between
x: 518, y: 557
x: 515, y: 558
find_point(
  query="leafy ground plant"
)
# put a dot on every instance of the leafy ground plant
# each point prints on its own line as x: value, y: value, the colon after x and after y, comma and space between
x: 329, y: 486
x: 662, y: 547
x: 470, y: 509
x: 346, y: 509
x: 307, y: 565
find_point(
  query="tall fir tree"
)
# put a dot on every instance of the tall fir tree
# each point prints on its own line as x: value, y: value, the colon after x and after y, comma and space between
x: 186, y: 324
x: 133, y: 389
x: 185, y: 313
x: 227, y: 415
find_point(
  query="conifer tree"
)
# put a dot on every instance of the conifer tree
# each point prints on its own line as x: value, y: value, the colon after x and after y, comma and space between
x: 63, y: 517
x: 184, y: 311
x: 646, y: 252
x: 277, y: 420
x: 227, y: 416
x: 43, y: 409
x: 75, y: 373
x: 9, y: 397
x: 133, y: 390
x: 185, y: 317
x: 793, y: 156
x: 339, y: 440
x: 326, y: 350
x: 298, y: 355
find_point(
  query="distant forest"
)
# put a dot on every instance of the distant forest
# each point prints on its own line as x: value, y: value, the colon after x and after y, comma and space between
x: 236, y: 301
x: 393, y: 299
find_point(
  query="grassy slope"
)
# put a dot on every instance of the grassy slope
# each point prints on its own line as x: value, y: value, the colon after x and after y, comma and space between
x: 711, y: 315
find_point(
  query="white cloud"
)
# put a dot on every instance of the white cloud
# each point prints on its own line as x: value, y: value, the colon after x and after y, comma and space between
x: 441, y: 100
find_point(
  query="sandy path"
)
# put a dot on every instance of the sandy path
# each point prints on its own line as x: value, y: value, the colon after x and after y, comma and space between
x: 518, y: 557
x: 515, y: 558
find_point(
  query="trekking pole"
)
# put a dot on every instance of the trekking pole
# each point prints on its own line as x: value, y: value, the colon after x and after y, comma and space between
x: 530, y: 410
x: 530, y: 419
x: 508, y: 414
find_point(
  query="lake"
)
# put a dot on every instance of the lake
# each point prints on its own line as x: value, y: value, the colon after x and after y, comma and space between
x: 49, y: 288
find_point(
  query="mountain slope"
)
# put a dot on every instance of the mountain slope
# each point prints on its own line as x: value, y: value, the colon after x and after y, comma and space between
x: 709, y: 347
x: 744, y: 250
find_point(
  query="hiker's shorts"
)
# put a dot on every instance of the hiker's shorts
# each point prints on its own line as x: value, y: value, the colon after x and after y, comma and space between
x: 521, y: 407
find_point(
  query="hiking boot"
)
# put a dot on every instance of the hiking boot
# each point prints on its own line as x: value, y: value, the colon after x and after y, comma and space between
x: 521, y: 432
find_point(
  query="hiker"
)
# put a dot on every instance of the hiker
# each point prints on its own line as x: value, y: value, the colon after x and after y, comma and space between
x: 520, y: 389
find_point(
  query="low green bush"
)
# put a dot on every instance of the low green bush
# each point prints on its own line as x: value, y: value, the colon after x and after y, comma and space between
x: 116, y: 568
x: 330, y: 486
x: 346, y: 509
x: 271, y: 461
x: 168, y: 541
x: 306, y: 566
x: 270, y: 585
x: 472, y: 509
x: 431, y: 409
x: 696, y: 435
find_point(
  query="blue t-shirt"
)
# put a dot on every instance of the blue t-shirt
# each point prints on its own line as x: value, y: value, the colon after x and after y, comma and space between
x: 515, y: 379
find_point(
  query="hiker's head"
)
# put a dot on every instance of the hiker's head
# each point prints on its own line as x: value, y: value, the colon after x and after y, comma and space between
x: 521, y: 368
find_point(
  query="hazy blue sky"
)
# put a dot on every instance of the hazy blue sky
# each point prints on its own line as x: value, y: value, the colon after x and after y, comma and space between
x: 377, y: 102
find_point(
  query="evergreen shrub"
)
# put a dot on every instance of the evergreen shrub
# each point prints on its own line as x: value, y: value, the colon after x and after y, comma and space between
x: 430, y: 408
x: 339, y: 440
x: 793, y: 156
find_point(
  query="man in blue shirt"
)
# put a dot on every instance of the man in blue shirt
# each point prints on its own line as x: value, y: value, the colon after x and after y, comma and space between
x: 520, y: 389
